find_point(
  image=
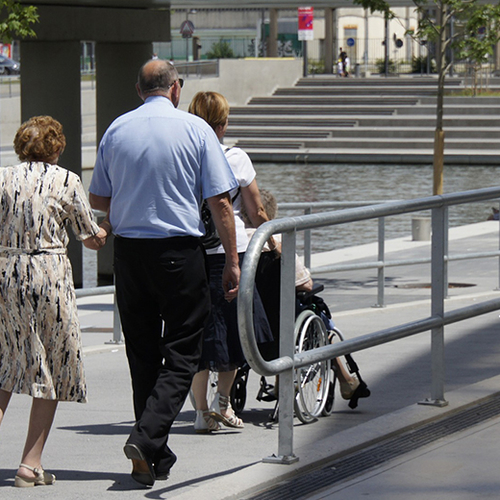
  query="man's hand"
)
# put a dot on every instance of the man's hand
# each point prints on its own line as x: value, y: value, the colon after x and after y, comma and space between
x: 98, y: 241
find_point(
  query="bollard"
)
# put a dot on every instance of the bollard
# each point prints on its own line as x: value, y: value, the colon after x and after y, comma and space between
x: 421, y: 228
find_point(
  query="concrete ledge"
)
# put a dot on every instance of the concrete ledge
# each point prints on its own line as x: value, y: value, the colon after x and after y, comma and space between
x: 374, y: 157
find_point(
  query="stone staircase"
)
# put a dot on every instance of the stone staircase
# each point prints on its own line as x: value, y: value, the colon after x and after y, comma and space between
x: 373, y: 120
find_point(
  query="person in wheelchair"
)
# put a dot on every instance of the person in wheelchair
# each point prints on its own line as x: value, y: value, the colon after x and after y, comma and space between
x: 267, y: 281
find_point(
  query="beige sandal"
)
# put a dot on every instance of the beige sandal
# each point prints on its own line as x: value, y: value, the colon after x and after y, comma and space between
x: 222, y: 403
x: 41, y: 478
x: 204, y: 423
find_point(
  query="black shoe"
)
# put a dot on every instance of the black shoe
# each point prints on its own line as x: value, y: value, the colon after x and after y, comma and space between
x: 164, y: 464
x: 132, y: 452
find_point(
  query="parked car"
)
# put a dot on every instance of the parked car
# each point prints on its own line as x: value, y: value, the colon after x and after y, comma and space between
x: 9, y: 66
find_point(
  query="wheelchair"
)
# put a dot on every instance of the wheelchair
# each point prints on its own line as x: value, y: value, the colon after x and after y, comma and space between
x: 315, y: 384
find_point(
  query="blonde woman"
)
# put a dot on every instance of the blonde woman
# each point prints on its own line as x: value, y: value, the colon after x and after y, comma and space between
x: 221, y: 348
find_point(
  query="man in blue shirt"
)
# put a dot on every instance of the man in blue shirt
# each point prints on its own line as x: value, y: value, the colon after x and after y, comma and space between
x: 154, y: 165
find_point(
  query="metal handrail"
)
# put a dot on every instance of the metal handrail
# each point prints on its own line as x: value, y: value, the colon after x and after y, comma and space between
x: 285, y: 364
x: 381, y: 263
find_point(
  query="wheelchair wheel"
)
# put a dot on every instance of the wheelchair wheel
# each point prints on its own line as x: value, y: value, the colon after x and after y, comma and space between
x: 334, y: 335
x: 213, y: 381
x: 312, y: 382
x: 239, y: 389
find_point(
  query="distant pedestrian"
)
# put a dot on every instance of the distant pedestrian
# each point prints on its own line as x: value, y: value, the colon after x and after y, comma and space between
x: 154, y: 165
x: 342, y: 58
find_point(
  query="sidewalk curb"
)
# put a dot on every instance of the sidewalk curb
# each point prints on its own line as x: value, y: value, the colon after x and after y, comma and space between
x: 259, y: 477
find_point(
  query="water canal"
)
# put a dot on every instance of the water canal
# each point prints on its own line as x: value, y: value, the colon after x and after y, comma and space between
x: 336, y: 182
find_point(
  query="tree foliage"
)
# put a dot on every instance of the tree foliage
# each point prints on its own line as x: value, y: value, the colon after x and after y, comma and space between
x: 479, y: 24
x: 16, y: 20
x: 220, y: 50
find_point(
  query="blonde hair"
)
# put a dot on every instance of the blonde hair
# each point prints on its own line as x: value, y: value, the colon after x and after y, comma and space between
x: 39, y: 139
x: 212, y: 107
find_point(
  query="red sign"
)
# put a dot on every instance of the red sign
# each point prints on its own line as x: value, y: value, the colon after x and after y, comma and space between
x: 306, y: 16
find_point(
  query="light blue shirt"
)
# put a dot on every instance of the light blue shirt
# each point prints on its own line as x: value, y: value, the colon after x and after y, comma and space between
x: 157, y: 163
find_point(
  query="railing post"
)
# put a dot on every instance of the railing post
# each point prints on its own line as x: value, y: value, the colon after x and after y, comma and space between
x: 437, y: 306
x: 381, y: 259
x: 287, y: 348
x: 498, y: 246
x: 446, y: 250
x: 307, y: 242
x: 117, y: 325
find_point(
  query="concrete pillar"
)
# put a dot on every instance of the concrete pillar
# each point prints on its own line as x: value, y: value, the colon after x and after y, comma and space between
x: 117, y: 66
x: 329, y: 55
x: 51, y: 86
x: 272, y: 44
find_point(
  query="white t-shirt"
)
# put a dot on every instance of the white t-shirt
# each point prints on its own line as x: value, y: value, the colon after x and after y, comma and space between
x: 243, y: 170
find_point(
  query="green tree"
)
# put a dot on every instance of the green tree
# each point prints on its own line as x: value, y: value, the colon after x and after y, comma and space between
x: 434, y: 20
x: 220, y: 50
x: 16, y: 20
x: 483, y: 35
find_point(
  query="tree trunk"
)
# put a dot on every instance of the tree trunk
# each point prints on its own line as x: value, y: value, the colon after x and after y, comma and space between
x: 439, y: 133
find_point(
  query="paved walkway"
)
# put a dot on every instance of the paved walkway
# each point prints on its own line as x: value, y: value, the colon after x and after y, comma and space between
x: 85, y: 447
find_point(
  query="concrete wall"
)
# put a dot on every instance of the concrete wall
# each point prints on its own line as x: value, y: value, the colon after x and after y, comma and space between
x: 241, y: 79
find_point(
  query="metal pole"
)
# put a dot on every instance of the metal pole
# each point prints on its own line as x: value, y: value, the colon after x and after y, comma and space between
x: 117, y: 326
x: 307, y: 242
x: 304, y: 57
x: 386, y: 47
x: 381, y: 258
x: 287, y: 348
x: 446, y: 251
x: 437, y: 307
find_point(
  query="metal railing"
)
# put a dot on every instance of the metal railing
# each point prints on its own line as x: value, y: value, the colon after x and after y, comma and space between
x: 105, y: 290
x: 288, y: 361
x: 198, y: 69
x: 381, y: 263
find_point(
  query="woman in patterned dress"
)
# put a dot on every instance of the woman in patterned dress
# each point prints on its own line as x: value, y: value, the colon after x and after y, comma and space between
x: 40, y: 343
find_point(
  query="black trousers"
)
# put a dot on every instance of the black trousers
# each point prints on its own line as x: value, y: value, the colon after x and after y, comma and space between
x: 164, y: 302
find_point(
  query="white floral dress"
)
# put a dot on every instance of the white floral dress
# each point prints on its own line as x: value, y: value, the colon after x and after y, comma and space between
x: 40, y: 342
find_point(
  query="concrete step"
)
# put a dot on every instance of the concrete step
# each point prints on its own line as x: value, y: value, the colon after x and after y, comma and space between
x: 379, y: 90
x: 305, y: 121
x: 352, y: 120
x: 356, y: 109
x: 331, y: 101
x: 361, y: 132
x: 287, y: 110
x: 282, y: 132
x: 417, y: 81
x: 358, y: 91
x: 373, y: 143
